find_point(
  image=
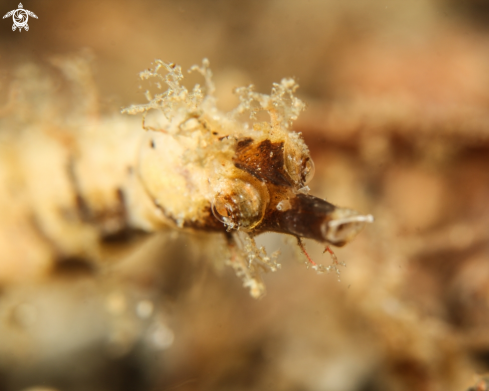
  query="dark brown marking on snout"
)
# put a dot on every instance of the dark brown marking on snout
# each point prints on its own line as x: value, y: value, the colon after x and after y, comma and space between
x: 264, y: 160
x: 304, y: 218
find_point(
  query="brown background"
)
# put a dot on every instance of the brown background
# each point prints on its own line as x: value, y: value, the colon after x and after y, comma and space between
x: 398, y: 126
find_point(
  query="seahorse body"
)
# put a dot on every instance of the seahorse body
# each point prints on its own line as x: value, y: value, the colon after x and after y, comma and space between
x: 63, y: 193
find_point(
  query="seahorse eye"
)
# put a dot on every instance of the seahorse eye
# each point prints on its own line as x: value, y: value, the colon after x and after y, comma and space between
x: 308, y: 170
x: 239, y: 205
x: 293, y: 164
x: 300, y: 167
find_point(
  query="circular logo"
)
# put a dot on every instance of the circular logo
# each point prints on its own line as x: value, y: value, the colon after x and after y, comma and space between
x: 20, y: 17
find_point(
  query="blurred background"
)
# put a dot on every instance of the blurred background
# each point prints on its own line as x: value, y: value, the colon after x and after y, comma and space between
x: 397, y: 121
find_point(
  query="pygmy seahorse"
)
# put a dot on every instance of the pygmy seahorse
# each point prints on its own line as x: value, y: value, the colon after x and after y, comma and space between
x: 190, y: 166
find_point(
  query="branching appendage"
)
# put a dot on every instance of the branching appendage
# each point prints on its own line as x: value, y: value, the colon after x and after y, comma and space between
x: 282, y: 106
x: 176, y: 102
x: 319, y: 268
x: 249, y: 261
x: 209, y: 170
